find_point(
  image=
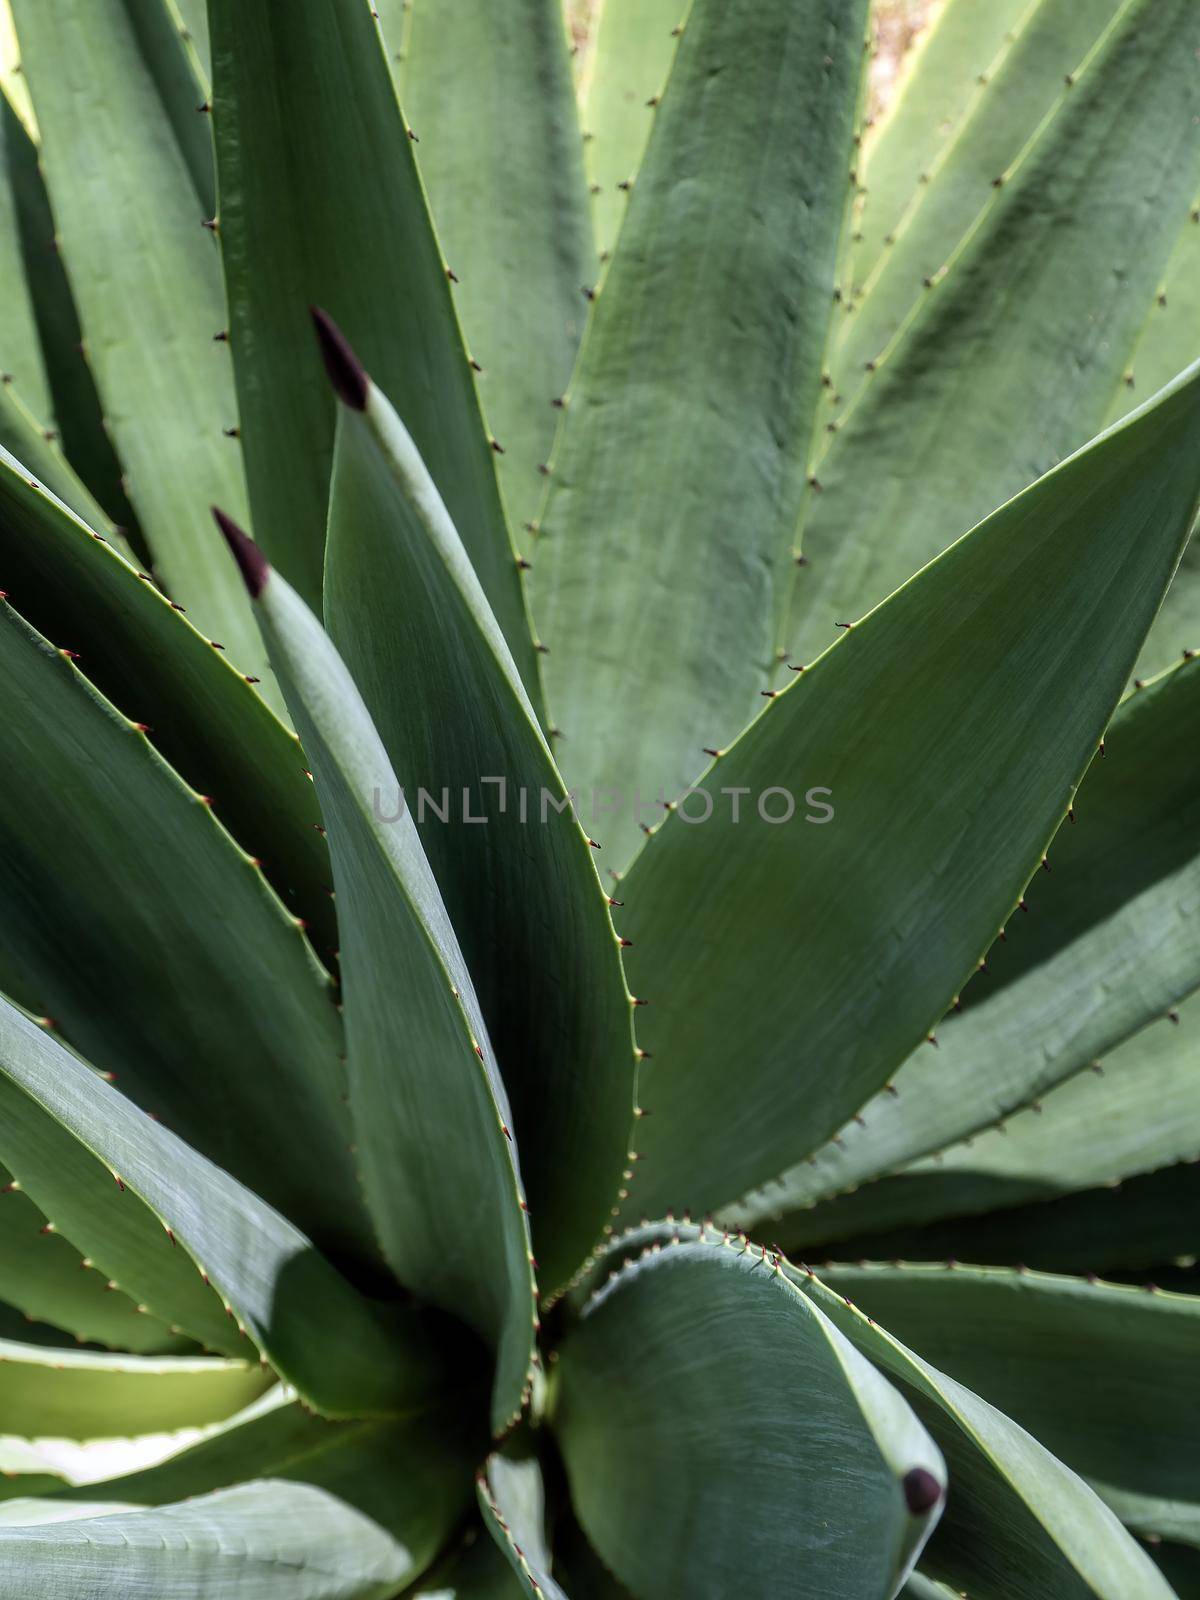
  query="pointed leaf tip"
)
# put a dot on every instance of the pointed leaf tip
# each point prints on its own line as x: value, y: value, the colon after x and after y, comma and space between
x: 345, y: 371
x: 922, y: 1491
x: 252, y: 564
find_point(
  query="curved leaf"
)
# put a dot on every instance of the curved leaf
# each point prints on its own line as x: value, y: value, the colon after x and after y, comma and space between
x: 187, y: 1240
x: 156, y: 945
x: 1010, y: 357
x: 1108, y: 939
x: 68, y: 1394
x: 679, y: 471
x: 1137, y: 1111
x: 143, y: 654
x: 695, y: 1400
x: 147, y: 282
x: 906, y: 883
x: 182, y: 87
x: 554, y: 1000
x: 430, y: 1112
x: 43, y: 1280
x: 1018, y: 1524
x: 511, y: 212
x: 261, y: 1541
x: 307, y: 124
x: 513, y: 1504
x: 1042, y: 1349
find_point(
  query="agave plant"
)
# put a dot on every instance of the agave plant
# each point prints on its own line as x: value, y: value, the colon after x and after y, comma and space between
x: 478, y: 913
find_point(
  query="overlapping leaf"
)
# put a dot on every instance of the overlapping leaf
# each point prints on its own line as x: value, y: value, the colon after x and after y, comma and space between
x: 187, y: 1240
x: 499, y: 832
x: 1002, y: 662
x: 696, y: 1403
x: 511, y: 212
x: 433, y: 1127
x: 680, y: 468
x: 329, y: 141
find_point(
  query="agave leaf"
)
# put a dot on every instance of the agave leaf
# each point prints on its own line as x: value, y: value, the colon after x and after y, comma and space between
x: 307, y: 124
x: 1110, y: 941
x: 942, y: 82
x: 430, y: 1112
x: 76, y: 405
x: 29, y: 445
x: 1139, y: 1112
x: 1121, y: 1226
x: 512, y: 1500
x: 50, y: 1296
x: 679, y: 470
x: 511, y: 212
x: 1008, y: 699
x: 1171, y: 329
x: 147, y: 282
x: 20, y: 351
x: 930, y: 176
x: 1042, y: 1349
x: 693, y: 1401
x: 182, y: 87
x: 554, y: 1000
x: 260, y: 1541
x: 1018, y: 1525
x: 69, y: 1394
x: 630, y: 60
x: 144, y: 655
x: 187, y: 1240
x: 412, y: 1478
x: 1036, y: 312
x: 187, y: 977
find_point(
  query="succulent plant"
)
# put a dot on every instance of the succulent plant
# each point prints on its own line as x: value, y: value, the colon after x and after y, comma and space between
x: 678, y: 756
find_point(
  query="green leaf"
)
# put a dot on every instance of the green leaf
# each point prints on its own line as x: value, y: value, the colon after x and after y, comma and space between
x: 42, y: 1278
x: 1018, y: 1524
x: 1010, y: 358
x: 157, y: 946
x: 20, y: 351
x: 1123, y: 1226
x: 430, y: 1112
x: 68, y: 1394
x: 695, y: 1400
x: 679, y: 471
x: 144, y: 655
x: 631, y: 56
x: 147, y: 282
x: 921, y: 1588
x: 76, y: 405
x: 185, y: 1239
x: 182, y: 87
x: 261, y: 1541
x: 512, y: 1500
x: 929, y: 178
x: 1005, y: 699
x: 412, y: 1478
x: 307, y: 125
x: 447, y: 700
x: 1071, y: 978
x: 944, y: 80
x: 1171, y: 327
x: 1042, y: 1349
x: 1136, y: 1112
x: 511, y: 212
